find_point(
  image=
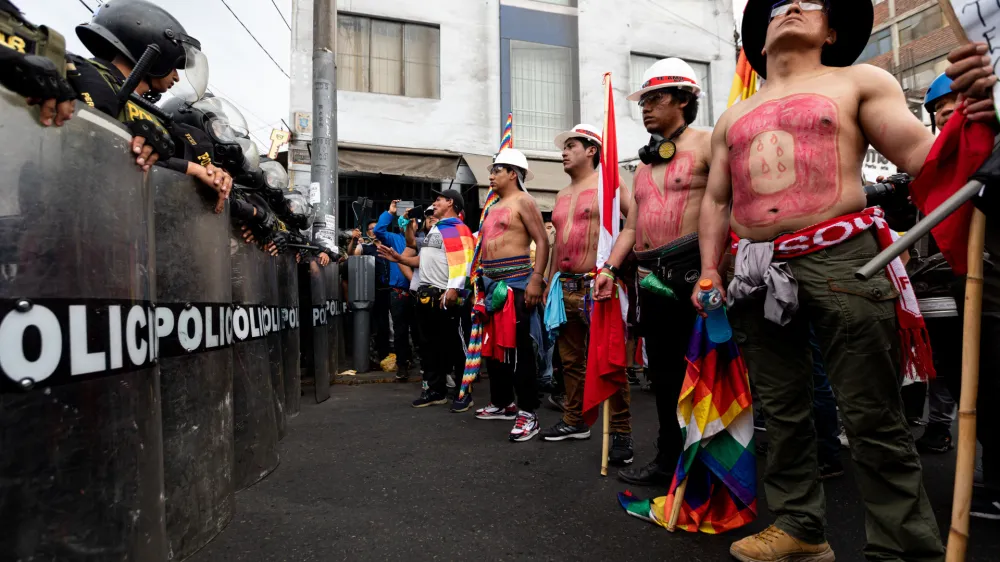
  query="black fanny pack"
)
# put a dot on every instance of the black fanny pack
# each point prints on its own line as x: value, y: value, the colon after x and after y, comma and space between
x: 679, y: 263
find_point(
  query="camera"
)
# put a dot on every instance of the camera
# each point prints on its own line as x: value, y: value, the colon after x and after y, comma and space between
x: 892, y: 194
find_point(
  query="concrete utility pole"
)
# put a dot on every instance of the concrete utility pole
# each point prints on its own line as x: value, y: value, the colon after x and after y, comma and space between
x: 324, y: 120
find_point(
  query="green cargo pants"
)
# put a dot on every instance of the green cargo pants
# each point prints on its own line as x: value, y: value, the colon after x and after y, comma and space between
x: 855, y: 323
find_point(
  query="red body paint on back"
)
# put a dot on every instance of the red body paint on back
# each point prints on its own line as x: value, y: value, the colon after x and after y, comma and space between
x: 574, y: 238
x: 660, y: 216
x: 494, y: 227
x: 784, y: 160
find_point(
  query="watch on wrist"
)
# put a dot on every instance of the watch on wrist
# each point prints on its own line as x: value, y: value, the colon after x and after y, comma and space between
x: 614, y: 270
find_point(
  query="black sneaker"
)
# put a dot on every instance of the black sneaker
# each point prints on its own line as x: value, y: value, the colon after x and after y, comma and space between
x: 428, y: 398
x: 653, y: 474
x: 633, y: 378
x: 562, y: 431
x: 621, y: 449
x: 463, y: 405
x: 985, y: 508
x: 558, y: 401
x: 830, y: 470
x: 402, y: 373
x: 936, y: 440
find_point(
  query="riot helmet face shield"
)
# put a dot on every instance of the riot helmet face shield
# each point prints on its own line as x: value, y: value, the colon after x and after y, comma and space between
x: 193, y: 71
x: 301, y: 212
x: 251, y: 155
x: 225, y: 122
x: 275, y: 176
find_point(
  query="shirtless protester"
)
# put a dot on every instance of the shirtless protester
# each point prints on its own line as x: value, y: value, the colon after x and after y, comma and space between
x: 512, y: 286
x: 577, y: 221
x: 785, y: 177
x: 662, y: 230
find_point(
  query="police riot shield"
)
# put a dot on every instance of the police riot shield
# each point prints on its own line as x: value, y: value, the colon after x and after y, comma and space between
x: 194, y: 337
x: 331, y: 278
x: 254, y: 429
x: 274, y: 351
x: 288, y: 287
x: 321, y: 330
x: 81, y: 451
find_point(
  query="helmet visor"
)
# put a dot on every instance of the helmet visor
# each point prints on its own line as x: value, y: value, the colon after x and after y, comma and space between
x: 274, y: 175
x: 227, y: 123
x: 250, y: 152
x: 193, y: 75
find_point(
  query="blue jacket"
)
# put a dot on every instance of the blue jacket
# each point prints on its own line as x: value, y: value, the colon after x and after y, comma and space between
x: 396, y: 242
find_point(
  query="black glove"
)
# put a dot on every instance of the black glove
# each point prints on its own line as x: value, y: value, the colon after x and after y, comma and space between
x: 241, y: 210
x: 154, y: 136
x: 33, y: 77
x: 280, y: 240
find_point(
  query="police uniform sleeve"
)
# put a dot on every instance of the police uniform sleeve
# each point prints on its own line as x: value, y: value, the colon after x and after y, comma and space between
x: 192, y: 144
x: 90, y: 86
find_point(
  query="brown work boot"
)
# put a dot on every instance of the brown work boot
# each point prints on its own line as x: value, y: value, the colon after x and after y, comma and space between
x: 774, y: 545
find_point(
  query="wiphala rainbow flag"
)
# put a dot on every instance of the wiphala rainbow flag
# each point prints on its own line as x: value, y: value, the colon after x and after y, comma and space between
x: 719, y: 458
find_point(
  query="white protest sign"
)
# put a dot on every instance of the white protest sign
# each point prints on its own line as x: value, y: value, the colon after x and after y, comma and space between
x: 979, y: 21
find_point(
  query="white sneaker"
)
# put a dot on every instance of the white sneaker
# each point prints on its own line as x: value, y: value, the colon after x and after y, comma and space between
x: 449, y: 381
x: 525, y: 427
x: 491, y: 412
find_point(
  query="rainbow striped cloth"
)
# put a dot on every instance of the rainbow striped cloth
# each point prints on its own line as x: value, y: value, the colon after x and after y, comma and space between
x: 459, y: 245
x: 719, y: 458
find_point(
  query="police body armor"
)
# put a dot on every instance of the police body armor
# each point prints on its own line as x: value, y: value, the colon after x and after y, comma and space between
x: 19, y: 35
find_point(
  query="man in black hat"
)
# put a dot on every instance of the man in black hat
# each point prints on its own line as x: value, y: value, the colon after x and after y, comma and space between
x: 440, y: 304
x: 784, y: 177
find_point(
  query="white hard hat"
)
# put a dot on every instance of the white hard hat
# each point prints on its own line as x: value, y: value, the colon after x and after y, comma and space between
x: 668, y: 73
x: 581, y: 131
x: 513, y: 157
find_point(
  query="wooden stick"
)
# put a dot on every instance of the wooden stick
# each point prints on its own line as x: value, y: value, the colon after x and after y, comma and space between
x: 675, y: 508
x: 965, y: 462
x: 605, y: 445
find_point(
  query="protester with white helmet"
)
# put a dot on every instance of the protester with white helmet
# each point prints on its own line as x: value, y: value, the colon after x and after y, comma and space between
x: 577, y: 220
x: 511, y: 289
x: 662, y: 230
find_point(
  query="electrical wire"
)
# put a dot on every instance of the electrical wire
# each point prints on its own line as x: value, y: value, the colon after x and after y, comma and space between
x: 255, y: 39
x: 218, y: 90
x: 89, y: 9
x: 282, y: 15
x: 691, y: 23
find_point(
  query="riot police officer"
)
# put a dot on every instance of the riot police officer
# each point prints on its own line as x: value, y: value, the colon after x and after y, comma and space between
x: 118, y: 36
x: 33, y: 65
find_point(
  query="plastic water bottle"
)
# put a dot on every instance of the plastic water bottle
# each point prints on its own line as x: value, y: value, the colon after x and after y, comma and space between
x: 711, y: 301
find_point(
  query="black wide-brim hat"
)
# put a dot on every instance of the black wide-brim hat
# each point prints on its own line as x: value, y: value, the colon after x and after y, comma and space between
x: 853, y: 20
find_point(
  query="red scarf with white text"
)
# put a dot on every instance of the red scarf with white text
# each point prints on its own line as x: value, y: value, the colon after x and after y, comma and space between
x: 917, y: 361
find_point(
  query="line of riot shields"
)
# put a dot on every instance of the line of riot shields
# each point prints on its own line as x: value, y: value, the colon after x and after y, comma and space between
x: 149, y: 356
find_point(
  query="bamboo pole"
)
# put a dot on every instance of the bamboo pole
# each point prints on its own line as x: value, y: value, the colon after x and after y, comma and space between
x: 965, y: 462
x: 675, y: 508
x: 605, y: 445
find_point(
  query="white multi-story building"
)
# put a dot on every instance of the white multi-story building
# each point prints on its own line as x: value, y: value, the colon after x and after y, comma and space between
x: 425, y: 87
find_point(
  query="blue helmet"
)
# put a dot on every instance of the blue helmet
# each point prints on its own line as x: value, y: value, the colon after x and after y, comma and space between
x: 940, y: 87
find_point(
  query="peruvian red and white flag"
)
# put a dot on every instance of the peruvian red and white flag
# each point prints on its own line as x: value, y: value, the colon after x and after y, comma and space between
x: 607, y: 183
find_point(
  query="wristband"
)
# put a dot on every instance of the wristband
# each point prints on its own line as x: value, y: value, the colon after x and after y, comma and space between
x: 604, y: 273
x: 614, y: 270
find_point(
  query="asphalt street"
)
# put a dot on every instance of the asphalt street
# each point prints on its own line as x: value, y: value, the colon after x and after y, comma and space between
x: 364, y: 476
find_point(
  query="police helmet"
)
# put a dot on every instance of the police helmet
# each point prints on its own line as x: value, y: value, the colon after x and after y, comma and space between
x: 298, y: 211
x: 940, y: 87
x: 127, y: 27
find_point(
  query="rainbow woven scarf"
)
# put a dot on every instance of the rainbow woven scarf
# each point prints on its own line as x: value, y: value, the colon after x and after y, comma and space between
x: 474, y: 352
x: 458, y: 246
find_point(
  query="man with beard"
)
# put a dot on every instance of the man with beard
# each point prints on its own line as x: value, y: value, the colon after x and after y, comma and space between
x: 662, y: 230
x: 785, y: 178
x: 577, y: 221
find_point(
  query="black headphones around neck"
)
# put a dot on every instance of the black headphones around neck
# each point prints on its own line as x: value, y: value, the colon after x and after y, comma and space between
x: 660, y: 150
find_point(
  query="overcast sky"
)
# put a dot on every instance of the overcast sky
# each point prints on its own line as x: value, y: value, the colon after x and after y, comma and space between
x: 240, y: 71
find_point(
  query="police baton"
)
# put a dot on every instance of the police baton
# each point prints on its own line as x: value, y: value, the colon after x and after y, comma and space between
x: 138, y: 73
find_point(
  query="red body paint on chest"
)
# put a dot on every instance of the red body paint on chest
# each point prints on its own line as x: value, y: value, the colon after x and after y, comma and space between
x: 574, y: 238
x: 661, y: 215
x: 495, y: 226
x: 784, y: 160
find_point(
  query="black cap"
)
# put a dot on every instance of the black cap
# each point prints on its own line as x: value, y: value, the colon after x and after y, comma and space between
x: 454, y: 195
